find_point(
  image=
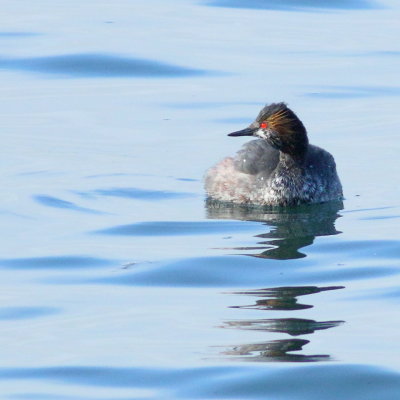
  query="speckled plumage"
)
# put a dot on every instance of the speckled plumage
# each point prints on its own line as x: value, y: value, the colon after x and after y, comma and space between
x: 279, y: 169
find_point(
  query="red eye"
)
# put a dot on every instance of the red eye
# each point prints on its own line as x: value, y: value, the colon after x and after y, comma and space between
x: 264, y: 125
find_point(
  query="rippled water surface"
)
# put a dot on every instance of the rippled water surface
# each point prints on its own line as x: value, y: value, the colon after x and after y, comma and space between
x: 118, y: 280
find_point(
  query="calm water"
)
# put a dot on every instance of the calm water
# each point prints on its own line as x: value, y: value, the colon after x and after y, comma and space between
x: 117, y: 280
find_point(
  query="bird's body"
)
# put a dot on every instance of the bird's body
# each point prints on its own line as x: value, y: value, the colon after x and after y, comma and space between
x: 279, y: 169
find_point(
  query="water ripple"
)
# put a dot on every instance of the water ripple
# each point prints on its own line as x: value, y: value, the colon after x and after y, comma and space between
x: 98, y: 65
x: 54, y: 202
x: 16, y: 313
x: 54, y: 262
x: 142, y: 194
x: 176, y: 228
x: 16, y: 34
x: 330, y: 382
x: 234, y: 271
x: 348, y: 92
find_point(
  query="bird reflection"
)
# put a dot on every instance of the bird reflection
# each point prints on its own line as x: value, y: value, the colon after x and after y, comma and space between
x: 290, y: 229
x: 282, y: 298
x: 274, y: 351
x: 279, y: 299
x: 287, y: 231
x: 291, y: 326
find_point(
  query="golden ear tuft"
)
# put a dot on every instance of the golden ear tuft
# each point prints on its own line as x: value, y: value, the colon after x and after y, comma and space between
x: 281, y: 119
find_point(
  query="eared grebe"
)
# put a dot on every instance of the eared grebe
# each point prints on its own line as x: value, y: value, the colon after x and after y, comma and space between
x: 279, y: 169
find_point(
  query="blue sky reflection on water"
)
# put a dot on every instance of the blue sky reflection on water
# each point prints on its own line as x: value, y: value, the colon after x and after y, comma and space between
x: 117, y: 280
x: 297, y: 5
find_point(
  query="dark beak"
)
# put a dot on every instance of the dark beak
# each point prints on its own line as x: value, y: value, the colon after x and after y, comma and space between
x: 244, y: 132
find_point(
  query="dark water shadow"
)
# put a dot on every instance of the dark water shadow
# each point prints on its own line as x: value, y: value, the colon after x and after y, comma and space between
x: 99, y: 65
x: 22, y: 313
x: 291, y: 228
x: 54, y: 202
x: 279, y: 299
x: 296, y: 5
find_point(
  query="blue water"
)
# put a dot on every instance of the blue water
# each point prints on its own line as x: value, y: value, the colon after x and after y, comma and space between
x: 118, y: 280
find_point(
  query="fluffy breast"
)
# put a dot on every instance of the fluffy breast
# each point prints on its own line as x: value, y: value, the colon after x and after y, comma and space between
x: 256, y: 175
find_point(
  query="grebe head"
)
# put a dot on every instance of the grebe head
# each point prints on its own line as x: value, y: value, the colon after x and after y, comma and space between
x: 280, y: 127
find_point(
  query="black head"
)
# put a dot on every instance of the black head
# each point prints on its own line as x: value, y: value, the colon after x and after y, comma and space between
x: 279, y: 126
